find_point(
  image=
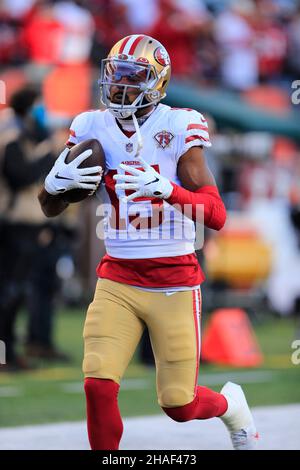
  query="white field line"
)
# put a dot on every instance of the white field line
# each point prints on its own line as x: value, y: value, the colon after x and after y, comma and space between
x: 6, y: 392
x: 242, y: 377
x: 127, y: 384
x: 204, y: 379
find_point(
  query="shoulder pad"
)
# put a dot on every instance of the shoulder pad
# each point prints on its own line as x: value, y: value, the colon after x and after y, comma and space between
x: 191, y: 128
x: 82, y: 123
x: 181, y: 118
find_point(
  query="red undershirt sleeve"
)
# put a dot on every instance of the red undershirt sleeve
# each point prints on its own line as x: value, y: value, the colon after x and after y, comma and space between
x: 208, y: 196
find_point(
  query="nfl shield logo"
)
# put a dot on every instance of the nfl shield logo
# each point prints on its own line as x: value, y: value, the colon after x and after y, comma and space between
x: 129, y: 147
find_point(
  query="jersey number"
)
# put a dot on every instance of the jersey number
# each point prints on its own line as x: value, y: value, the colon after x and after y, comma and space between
x: 119, y: 223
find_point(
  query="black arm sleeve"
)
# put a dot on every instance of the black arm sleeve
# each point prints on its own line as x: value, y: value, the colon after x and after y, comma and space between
x: 21, y: 173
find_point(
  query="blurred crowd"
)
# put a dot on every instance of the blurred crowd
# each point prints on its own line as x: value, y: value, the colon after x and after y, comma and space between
x: 50, y: 53
x: 237, y: 42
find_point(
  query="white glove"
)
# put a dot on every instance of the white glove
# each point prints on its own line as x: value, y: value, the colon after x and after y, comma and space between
x: 66, y: 176
x: 147, y: 183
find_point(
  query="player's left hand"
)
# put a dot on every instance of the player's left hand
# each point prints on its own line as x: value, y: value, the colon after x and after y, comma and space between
x: 147, y: 183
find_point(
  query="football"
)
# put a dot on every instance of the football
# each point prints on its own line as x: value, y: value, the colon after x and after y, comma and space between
x: 97, y: 158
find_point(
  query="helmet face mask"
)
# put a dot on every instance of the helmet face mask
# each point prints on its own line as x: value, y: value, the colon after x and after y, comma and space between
x: 125, y: 76
x: 145, y: 73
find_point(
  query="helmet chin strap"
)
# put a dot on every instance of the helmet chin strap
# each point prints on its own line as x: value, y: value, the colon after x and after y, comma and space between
x: 139, y: 136
x: 131, y: 113
x: 126, y: 113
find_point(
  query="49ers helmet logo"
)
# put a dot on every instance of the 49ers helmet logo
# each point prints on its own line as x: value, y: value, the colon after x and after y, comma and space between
x: 143, y: 59
x: 161, y: 56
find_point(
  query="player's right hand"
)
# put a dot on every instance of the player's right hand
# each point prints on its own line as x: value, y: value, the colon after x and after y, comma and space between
x: 147, y: 183
x: 65, y: 176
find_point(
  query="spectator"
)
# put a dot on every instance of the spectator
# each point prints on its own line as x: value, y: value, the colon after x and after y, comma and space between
x: 59, y: 34
x: 41, y: 34
x: 29, y: 247
x: 11, y: 51
x: 111, y: 23
x: 178, y: 29
x: 140, y: 19
x: 271, y: 41
x: 235, y: 38
x: 77, y: 31
x: 294, y: 44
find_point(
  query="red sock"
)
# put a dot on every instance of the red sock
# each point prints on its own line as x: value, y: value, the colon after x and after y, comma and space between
x: 207, y: 404
x: 104, y: 421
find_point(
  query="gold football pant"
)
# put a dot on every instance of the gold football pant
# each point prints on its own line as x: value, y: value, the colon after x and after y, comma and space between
x: 114, y: 325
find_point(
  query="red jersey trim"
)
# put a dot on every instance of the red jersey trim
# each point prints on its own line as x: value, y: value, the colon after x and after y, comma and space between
x: 197, y: 333
x: 195, y: 137
x: 174, y: 271
x: 197, y: 126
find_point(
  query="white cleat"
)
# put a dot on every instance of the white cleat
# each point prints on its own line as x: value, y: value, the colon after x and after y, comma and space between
x: 238, y: 418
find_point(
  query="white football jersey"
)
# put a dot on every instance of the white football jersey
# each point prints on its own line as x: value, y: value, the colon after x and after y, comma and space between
x: 146, y: 227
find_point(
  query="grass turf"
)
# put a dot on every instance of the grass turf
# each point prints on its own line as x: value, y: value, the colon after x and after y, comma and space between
x: 53, y: 392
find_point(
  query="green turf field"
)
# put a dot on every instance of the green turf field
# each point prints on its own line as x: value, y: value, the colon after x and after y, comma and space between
x: 54, y: 392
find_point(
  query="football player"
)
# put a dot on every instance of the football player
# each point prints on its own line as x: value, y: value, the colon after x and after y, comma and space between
x: 155, y: 168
